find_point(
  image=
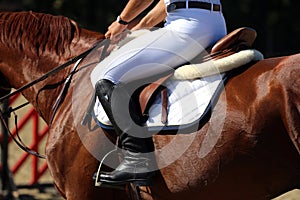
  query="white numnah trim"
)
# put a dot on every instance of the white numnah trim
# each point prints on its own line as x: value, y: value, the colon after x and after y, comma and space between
x: 213, y: 67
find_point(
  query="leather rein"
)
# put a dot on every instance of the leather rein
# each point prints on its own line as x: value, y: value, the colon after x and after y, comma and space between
x: 76, y: 61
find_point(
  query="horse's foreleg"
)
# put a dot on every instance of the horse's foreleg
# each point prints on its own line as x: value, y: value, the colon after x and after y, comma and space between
x: 72, y: 168
x: 69, y: 164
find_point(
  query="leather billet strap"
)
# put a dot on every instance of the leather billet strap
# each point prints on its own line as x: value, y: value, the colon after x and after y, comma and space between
x: 194, y: 4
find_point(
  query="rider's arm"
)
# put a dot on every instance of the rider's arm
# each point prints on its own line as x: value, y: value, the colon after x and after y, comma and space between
x: 154, y: 17
x: 131, y: 10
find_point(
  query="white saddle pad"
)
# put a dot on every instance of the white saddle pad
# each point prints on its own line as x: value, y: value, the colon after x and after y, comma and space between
x: 187, y: 101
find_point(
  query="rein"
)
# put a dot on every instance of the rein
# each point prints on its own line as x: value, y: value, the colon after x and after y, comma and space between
x: 59, y: 100
x: 19, y: 141
x: 50, y: 73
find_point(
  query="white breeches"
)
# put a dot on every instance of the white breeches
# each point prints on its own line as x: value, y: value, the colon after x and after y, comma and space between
x: 186, y: 34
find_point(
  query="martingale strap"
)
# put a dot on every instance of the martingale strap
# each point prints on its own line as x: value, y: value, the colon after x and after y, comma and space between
x: 64, y: 91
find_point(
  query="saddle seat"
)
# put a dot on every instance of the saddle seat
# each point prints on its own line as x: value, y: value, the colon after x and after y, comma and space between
x: 241, y: 38
x: 235, y: 41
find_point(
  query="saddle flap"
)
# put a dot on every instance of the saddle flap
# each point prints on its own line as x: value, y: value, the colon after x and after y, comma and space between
x: 241, y: 37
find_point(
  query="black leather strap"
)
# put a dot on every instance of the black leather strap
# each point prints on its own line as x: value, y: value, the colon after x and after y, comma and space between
x: 119, y: 19
x: 193, y: 4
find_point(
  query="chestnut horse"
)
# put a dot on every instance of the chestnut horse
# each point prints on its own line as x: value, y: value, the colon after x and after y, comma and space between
x: 248, y: 149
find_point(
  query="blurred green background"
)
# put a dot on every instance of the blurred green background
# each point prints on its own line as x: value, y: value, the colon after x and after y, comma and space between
x: 276, y: 21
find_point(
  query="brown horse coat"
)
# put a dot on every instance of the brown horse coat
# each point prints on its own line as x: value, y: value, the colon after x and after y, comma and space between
x: 253, y: 155
x: 249, y: 149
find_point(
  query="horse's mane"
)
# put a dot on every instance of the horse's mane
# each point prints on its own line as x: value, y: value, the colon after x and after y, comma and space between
x: 36, y: 33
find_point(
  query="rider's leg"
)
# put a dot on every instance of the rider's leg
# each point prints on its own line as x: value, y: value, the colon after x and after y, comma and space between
x: 137, y: 163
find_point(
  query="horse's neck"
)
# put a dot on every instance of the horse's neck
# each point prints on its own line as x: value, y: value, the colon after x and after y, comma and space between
x: 27, y: 70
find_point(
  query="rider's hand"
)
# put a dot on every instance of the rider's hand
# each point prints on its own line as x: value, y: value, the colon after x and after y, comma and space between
x: 114, y: 30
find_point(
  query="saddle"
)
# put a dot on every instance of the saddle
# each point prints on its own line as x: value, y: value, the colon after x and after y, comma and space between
x: 237, y: 40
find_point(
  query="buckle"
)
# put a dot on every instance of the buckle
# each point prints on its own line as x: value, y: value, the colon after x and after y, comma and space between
x: 171, y: 7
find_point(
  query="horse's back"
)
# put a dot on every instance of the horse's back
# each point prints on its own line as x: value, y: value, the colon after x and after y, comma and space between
x: 261, y: 106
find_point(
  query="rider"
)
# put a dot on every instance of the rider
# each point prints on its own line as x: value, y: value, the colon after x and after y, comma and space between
x: 190, y: 27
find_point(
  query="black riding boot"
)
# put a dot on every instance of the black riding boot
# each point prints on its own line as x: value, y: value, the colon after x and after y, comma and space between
x: 104, y: 89
x: 137, y: 163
